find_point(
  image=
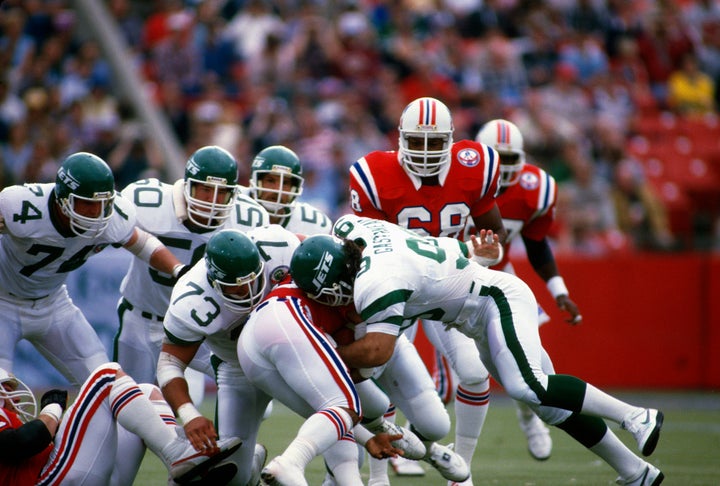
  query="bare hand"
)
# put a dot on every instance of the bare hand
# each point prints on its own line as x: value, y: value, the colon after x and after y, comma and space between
x: 380, y: 446
x: 486, y: 245
x: 201, y: 433
x: 564, y: 303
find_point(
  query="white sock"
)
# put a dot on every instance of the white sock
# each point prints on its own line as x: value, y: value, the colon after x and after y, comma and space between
x: 618, y: 456
x: 134, y: 411
x: 471, y: 408
x: 321, y: 430
x: 600, y: 404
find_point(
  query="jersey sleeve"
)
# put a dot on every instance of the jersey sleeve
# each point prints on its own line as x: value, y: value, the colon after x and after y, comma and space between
x: 276, y: 246
x: 491, y: 183
x: 364, y: 196
x: 122, y: 224
x: 539, y: 224
x: 381, y: 305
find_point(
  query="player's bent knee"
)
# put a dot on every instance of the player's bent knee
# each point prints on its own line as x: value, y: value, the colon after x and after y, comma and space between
x: 428, y: 416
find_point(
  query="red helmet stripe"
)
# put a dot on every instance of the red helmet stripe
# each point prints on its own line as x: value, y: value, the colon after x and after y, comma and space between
x: 428, y: 112
x: 503, y: 135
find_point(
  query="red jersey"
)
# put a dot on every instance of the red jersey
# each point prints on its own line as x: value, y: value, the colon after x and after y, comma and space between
x: 528, y: 207
x: 381, y: 189
x: 21, y: 473
x: 331, y: 320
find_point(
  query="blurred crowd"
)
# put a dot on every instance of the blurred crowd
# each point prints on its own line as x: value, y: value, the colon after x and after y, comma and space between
x: 329, y: 79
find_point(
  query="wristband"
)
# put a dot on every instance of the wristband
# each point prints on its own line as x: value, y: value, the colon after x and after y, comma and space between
x: 187, y: 412
x: 54, y: 410
x: 556, y: 286
x: 176, y: 270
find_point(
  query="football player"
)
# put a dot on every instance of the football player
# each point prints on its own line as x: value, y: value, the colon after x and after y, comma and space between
x: 184, y: 216
x: 276, y: 182
x: 398, y: 280
x: 72, y: 447
x: 48, y: 230
x: 287, y: 350
x: 435, y: 186
x: 527, y: 200
x: 210, y: 304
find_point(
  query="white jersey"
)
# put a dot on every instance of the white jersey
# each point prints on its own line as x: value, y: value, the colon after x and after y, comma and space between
x: 406, y: 277
x: 146, y: 288
x: 305, y: 219
x: 36, y: 253
x: 196, y: 311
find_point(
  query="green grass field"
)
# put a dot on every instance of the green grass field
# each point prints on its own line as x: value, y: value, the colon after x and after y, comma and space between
x: 688, y: 452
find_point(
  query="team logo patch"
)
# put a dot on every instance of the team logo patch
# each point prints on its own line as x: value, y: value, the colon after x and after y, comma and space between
x: 529, y: 181
x: 279, y: 274
x: 468, y: 157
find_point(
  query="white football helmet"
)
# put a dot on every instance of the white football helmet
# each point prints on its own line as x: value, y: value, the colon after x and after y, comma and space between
x: 505, y: 137
x: 425, y: 119
x: 16, y: 396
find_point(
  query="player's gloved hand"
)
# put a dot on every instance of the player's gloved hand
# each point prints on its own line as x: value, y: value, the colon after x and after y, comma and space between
x: 54, y: 396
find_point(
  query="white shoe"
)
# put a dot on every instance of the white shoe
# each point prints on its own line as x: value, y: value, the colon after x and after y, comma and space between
x: 282, y: 472
x: 188, y: 463
x: 259, y: 458
x: 467, y: 482
x: 645, y: 425
x: 538, y: 436
x: 410, y: 444
x: 650, y: 476
x: 406, y: 467
x: 447, y: 462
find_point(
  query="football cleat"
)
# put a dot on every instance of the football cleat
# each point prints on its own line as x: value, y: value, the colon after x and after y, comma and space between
x: 190, y: 463
x: 282, y: 472
x: 538, y: 436
x: 406, y: 467
x: 447, y: 462
x: 410, y: 444
x: 259, y: 458
x: 645, y: 425
x: 650, y: 476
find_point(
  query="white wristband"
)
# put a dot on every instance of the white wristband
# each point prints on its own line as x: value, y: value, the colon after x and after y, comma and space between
x: 176, y: 270
x: 556, y: 286
x: 54, y: 410
x: 187, y: 412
